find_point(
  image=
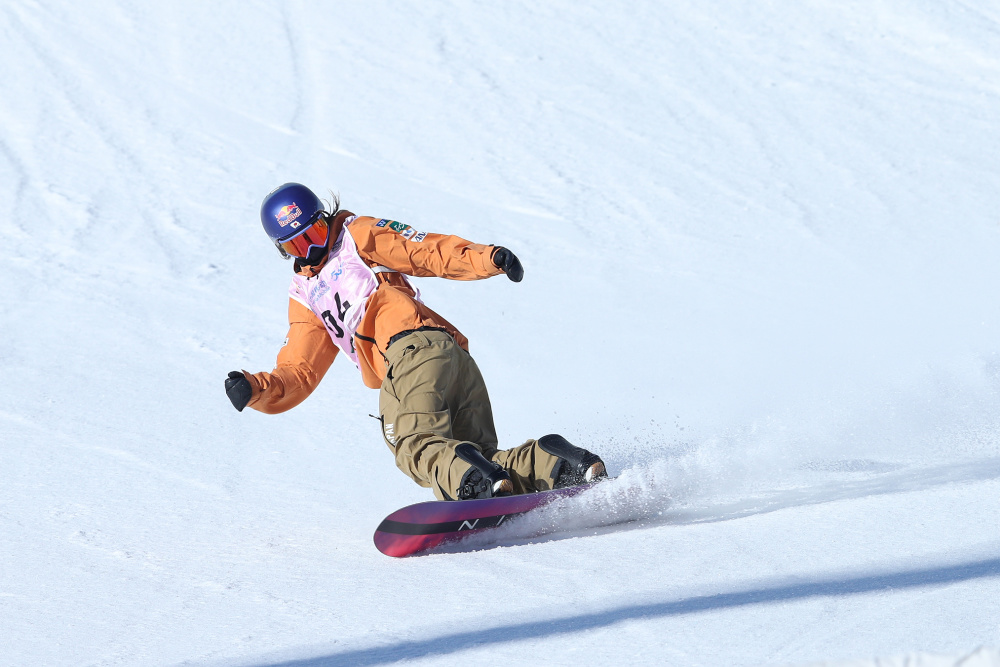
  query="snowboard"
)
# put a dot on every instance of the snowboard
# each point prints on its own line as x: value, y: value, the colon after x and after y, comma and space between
x: 418, y: 528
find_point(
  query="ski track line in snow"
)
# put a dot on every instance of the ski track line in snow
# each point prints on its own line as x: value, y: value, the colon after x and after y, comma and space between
x: 765, y: 594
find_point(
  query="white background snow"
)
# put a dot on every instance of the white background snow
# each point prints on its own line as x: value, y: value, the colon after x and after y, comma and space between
x: 761, y: 245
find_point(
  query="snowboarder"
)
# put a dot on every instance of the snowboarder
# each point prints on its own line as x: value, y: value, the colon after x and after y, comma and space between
x: 350, y: 296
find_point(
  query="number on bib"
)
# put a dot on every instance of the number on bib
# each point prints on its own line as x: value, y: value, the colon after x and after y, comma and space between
x: 331, y: 321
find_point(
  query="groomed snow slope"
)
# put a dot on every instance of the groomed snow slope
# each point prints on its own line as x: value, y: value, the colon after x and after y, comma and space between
x: 761, y: 245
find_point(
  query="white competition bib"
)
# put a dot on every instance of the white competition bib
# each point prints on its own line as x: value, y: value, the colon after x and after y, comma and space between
x: 339, y: 293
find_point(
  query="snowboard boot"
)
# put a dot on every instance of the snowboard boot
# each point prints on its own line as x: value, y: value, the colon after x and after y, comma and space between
x: 578, y: 465
x: 484, y: 479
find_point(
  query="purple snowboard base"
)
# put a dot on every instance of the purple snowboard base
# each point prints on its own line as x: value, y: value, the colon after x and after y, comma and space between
x: 423, y: 526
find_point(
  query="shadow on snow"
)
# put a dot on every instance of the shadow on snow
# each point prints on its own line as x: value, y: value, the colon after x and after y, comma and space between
x: 460, y: 641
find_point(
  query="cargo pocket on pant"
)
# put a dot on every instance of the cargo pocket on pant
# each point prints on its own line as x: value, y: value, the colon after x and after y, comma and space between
x: 422, y: 445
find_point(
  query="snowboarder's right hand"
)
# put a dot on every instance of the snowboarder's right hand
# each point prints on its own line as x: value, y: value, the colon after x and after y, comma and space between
x: 508, y: 261
x: 238, y: 389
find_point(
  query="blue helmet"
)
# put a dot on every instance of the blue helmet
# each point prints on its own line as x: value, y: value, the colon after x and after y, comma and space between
x: 287, y: 209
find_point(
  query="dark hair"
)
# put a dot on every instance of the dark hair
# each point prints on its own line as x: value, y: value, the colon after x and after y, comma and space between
x: 333, y: 205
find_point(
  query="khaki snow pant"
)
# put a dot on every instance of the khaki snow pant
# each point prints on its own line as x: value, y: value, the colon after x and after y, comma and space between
x: 433, y: 398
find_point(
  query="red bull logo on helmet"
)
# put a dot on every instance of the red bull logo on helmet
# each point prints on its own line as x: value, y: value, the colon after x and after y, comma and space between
x: 286, y: 214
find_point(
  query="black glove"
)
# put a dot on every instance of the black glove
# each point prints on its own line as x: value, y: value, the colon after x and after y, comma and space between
x: 508, y: 261
x: 238, y: 390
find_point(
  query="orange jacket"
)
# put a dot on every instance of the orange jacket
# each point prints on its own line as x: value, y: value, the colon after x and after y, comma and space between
x: 309, y: 351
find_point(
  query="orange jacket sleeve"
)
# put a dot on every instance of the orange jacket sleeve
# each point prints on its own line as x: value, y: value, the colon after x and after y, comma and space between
x: 401, y: 248
x: 302, y: 363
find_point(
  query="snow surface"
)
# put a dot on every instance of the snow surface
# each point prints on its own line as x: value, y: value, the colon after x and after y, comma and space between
x: 761, y: 245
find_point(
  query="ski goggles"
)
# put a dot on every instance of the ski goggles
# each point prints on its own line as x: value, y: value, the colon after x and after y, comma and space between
x: 316, y: 234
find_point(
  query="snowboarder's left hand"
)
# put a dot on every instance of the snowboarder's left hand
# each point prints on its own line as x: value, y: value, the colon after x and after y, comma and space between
x: 508, y: 261
x: 238, y: 389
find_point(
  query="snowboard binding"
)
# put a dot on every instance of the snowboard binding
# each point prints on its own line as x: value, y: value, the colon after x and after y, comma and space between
x: 484, y: 479
x: 578, y: 465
